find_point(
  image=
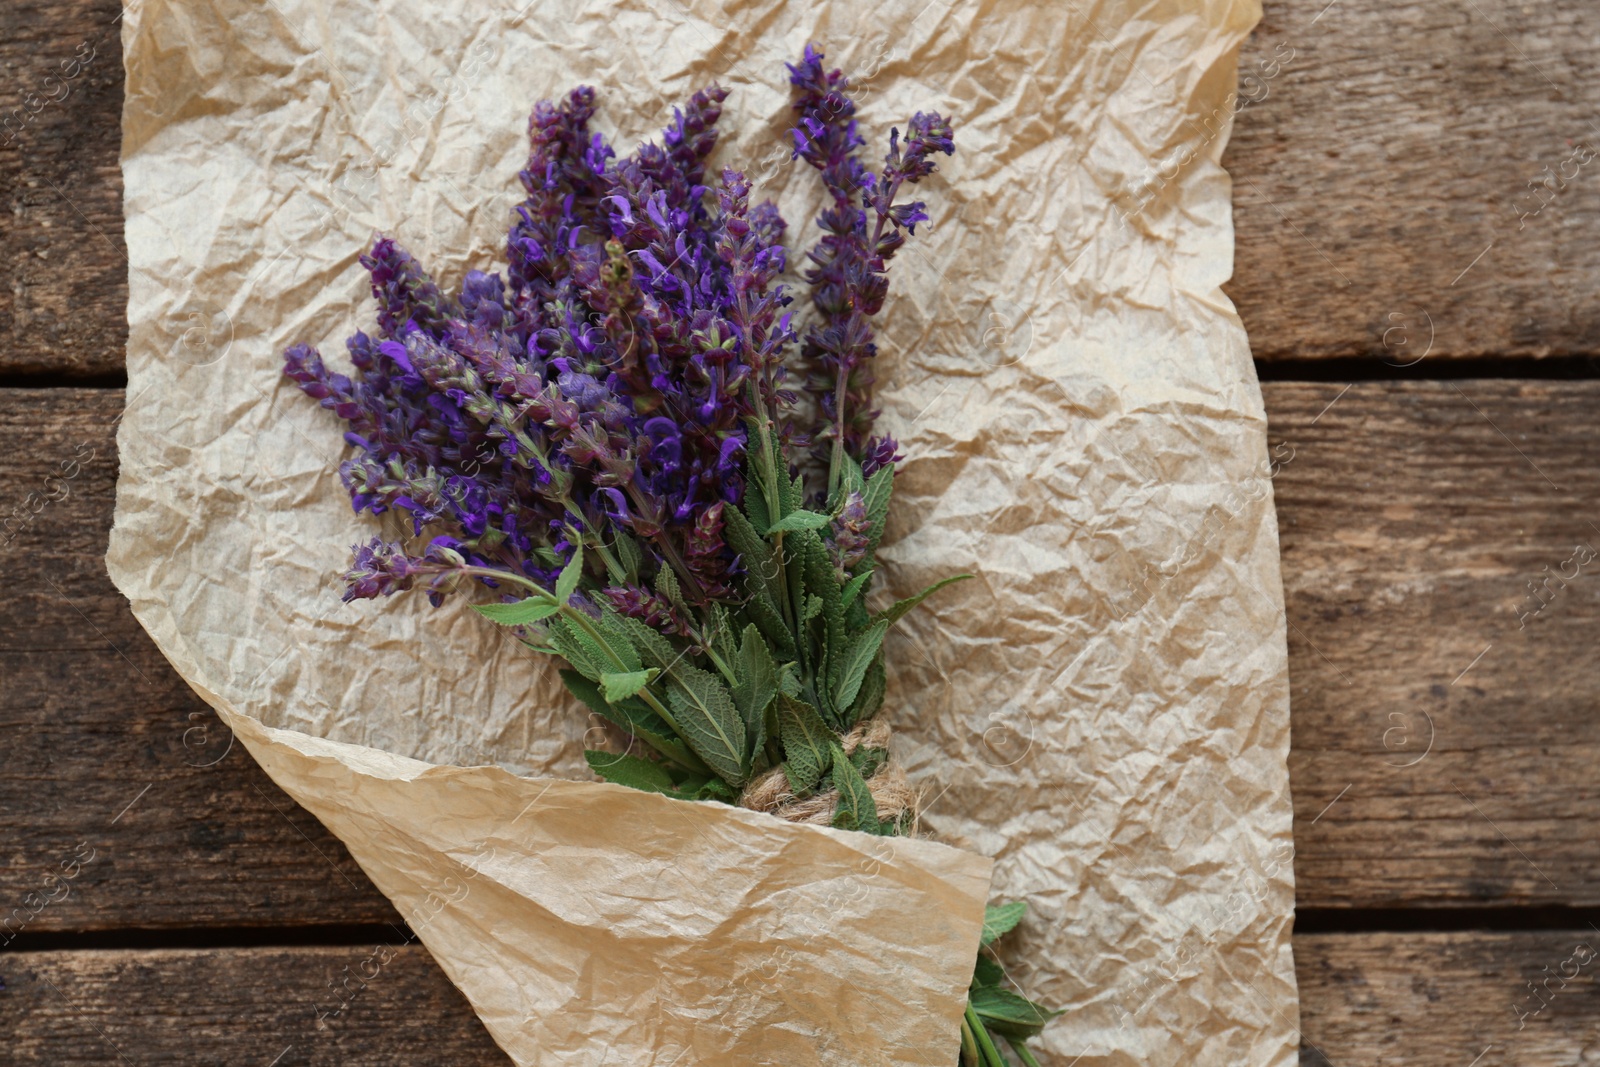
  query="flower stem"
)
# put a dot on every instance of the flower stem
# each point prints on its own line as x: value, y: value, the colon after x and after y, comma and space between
x: 584, y: 623
x: 711, y: 653
x: 990, y: 1055
x: 1020, y: 1047
x: 969, y: 1046
x: 841, y: 390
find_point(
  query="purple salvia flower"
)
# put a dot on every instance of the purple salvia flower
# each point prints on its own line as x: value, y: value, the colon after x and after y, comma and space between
x: 848, y: 536
x: 692, y: 135
x: 405, y: 294
x: 880, y: 452
x: 706, y: 554
x: 380, y: 568
x: 563, y: 190
x: 826, y: 135
x: 848, y: 280
x: 608, y: 377
x: 652, y: 609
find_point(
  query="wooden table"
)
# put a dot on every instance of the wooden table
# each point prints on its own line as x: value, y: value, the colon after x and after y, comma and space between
x: 1426, y: 342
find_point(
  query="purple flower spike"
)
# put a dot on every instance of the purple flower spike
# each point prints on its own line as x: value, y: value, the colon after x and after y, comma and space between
x: 603, y: 387
x: 405, y: 294
x: 380, y: 568
x: 849, y: 278
x: 849, y: 536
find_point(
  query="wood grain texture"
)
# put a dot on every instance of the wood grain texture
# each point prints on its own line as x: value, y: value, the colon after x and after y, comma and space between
x: 1381, y: 147
x: 105, y: 746
x: 339, y: 1006
x: 1375, y: 1000
x: 63, y: 305
x: 1449, y: 1000
x: 1444, y: 746
x: 1378, y: 149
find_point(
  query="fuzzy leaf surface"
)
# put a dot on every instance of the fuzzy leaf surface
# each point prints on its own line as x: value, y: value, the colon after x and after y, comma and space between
x: 806, y: 743
x: 631, y: 771
x: 870, y: 699
x: 571, y: 575
x: 855, y: 659
x: 796, y: 521
x: 857, y: 810
x: 1000, y: 919
x: 533, y: 609
x: 894, y: 614
x: 1008, y: 1014
x: 709, y: 721
x: 853, y: 588
x: 988, y: 972
x: 622, y: 685
x: 757, y: 676
x: 576, y: 648
x: 638, y: 720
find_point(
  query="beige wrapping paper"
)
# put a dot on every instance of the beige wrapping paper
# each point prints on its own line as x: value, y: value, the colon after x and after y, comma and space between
x: 1105, y: 710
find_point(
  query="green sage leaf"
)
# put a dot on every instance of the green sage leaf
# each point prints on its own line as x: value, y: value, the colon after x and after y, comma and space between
x: 876, y: 494
x: 753, y: 549
x: 571, y: 574
x: 716, y: 789
x: 709, y: 722
x: 853, y: 588
x: 822, y: 585
x: 651, y: 646
x: 667, y: 586
x: 857, y: 810
x: 619, y: 651
x: 870, y: 699
x: 812, y: 609
x: 806, y: 740
x: 1008, y: 1014
x: 851, y: 480
x: 629, y: 556
x: 791, y: 491
x: 578, y: 649
x: 796, y: 521
x: 755, y: 505
x: 894, y: 614
x: 637, y: 720
x: 988, y: 972
x: 789, y: 678
x: 755, y: 500
x: 764, y: 613
x: 866, y: 760
x: 631, y: 771
x: 854, y: 661
x: 724, y: 638
x: 757, y: 683
x: 876, y: 497
x: 1001, y: 919
x: 621, y: 686
x: 523, y: 612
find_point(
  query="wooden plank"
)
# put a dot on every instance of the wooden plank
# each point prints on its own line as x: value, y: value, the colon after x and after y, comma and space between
x: 1444, y: 744
x: 106, y: 750
x: 345, y: 1006
x: 1366, y: 178
x: 1410, y: 528
x: 64, y: 301
x: 1449, y: 999
x: 1379, y: 1000
x: 1383, y: 146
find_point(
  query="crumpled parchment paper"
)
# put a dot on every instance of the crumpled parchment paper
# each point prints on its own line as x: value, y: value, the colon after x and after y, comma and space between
x: 1105, y: 710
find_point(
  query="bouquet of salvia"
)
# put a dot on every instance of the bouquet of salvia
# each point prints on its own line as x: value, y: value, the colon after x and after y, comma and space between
x: 669, y: 479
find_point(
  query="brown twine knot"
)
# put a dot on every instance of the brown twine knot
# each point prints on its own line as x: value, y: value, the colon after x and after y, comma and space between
x: 891, y: 791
